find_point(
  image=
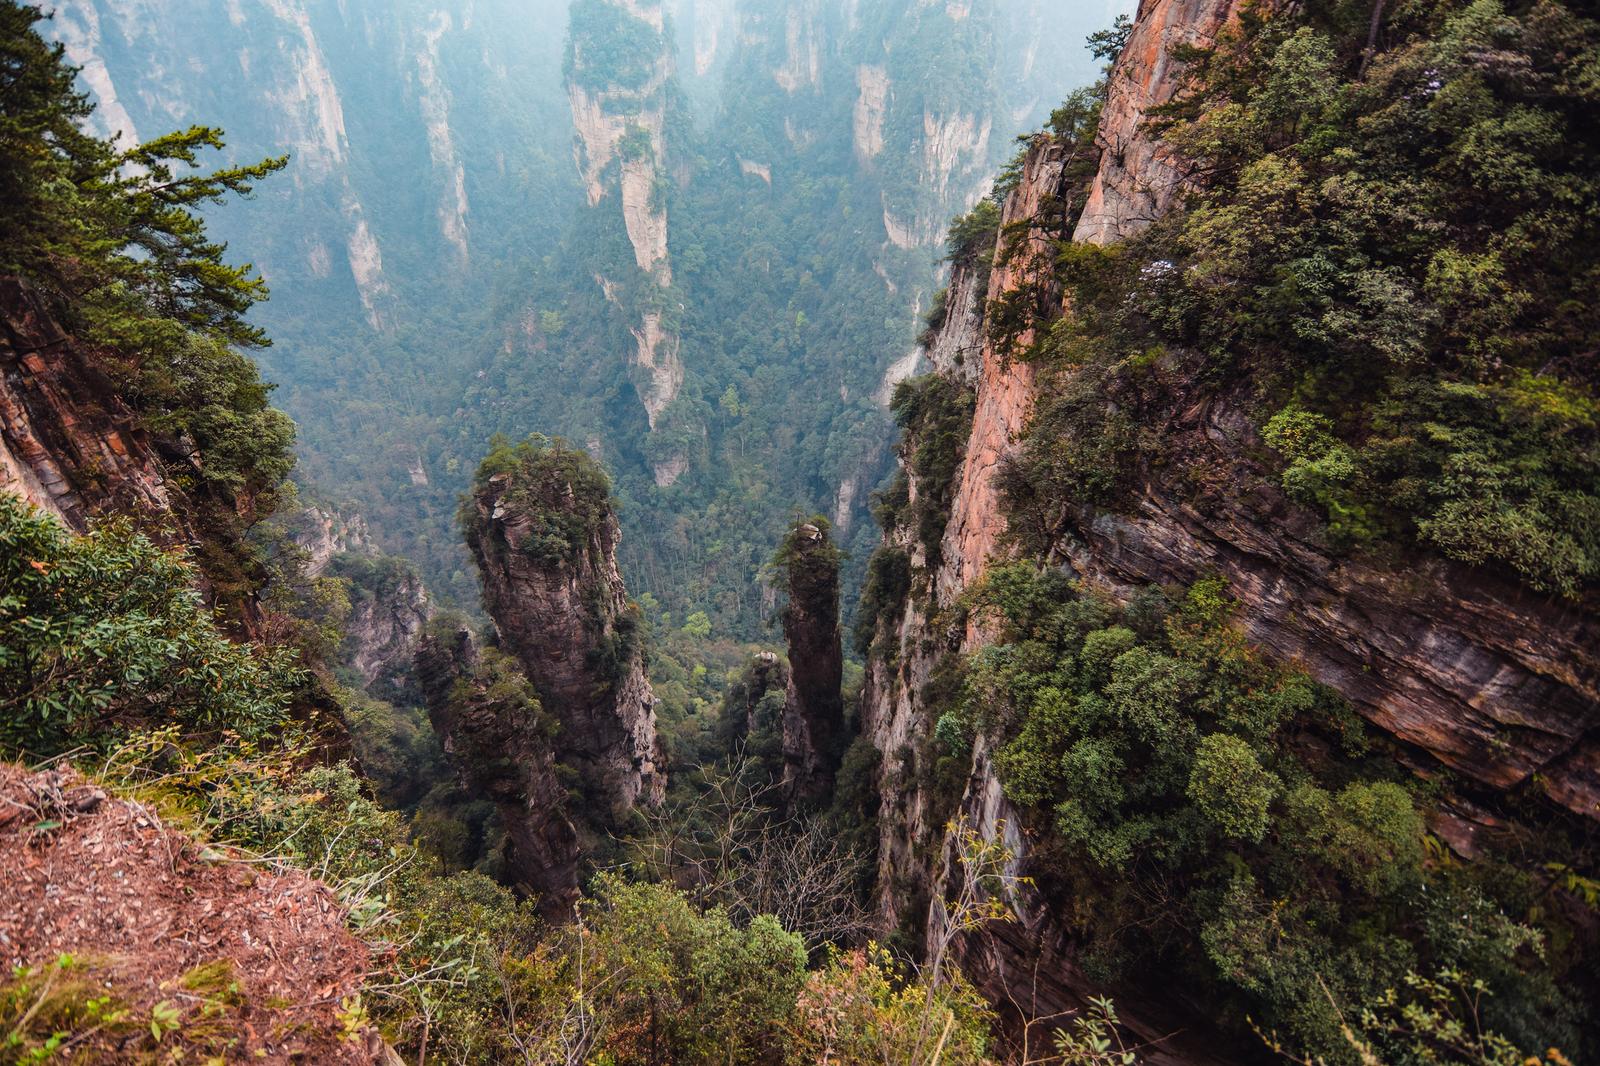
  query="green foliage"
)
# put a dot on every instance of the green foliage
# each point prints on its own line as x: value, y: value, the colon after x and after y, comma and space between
x: 564, y: 494
x: 609, y: 48
x: 1230, y: 786
x: 972, y: 235
x: 1321, y: 471
x: 114, y: 228
x: 883, y: 596
x: 806, y: 566
x: 935, y: 415
x: 862, y: 1008
x: 1398, y: 252
x: 1197, y: 813
x: 694, y: 987
x: 46, y: 1010
x: 116, y: 238
x: 104, y: 632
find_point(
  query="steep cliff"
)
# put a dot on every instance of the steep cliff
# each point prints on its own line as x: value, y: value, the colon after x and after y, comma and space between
x: 68, y: 442
x: 1473, y: 679
x: 72, y: 444
x: 543, y: 530
x: 813, y: 710
x: 497, y: 738
x: 620, y: 80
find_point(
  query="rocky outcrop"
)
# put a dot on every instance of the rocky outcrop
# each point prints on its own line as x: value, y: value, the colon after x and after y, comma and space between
x: 497, y: 738
x: 955, y: 348
x: 803, y: 42
x: 434, y: 102
x: 621, y: 147
x: 1004, y: 385
x: 565, y: 615
x: 872, y: 104
x: 323, y: 533
x: 813, y: 709
x: 387, y: 615
x: 1498, y: 684
x: 389, y: 605
x: 68, y: 443
x: 1138, y: 175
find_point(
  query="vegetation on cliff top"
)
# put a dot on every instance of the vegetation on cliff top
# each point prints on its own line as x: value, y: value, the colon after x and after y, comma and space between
x: 562, y: 493
x: 1392, y: 258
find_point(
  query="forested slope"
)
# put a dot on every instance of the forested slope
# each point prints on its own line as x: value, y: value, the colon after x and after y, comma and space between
x: 1242, y: 581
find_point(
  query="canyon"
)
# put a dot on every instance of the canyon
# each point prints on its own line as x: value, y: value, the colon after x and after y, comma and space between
x: 728, y: 266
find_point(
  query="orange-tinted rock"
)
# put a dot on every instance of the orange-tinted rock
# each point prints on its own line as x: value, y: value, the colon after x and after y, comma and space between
x: 1138, y: 176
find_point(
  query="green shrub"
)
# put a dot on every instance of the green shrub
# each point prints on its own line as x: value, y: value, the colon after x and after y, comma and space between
x: 1210, y: 821
x: 564, y: 494
x: 106, y: 632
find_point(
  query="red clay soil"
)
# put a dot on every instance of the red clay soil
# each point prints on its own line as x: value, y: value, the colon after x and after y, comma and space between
x: 110, y: 885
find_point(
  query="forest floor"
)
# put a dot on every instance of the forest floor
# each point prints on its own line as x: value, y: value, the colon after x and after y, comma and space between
x: 128, y: 941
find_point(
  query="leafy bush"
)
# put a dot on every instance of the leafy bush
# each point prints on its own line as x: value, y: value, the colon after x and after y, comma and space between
x: 1213, y: 822
x: 105, y: 632
x: 935, y: 414
x: 115, y: 237
x: 862, y: 1008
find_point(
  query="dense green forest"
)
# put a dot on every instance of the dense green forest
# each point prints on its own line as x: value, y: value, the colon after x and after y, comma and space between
x: 789, y: 301
x: 1383, y: 275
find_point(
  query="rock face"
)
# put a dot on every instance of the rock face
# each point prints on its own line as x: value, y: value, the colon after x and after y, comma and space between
x: 324, y: 533
x: 569, y: 622
x: 71, y: 446
x: 1464, y: 670
x: 813, y: 710
x: 68, y: 444
x: 385, y: 624
x: 389, y: 605
x: 620, y: 118
x: 1138, y: 176
x: 499, y: 745
x: 1498, y: 684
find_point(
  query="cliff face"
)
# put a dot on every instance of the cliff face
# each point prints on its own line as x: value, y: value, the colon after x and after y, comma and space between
x: 73, y: 447
x: 1464, y: 670
x: 1138, y: 176
x: 570, y: 624
x: 813, y: 711
x: 619, y: 114
x: 389, y: 604
x: 68, y: 443
x: 385, y: 625
x: 501, y: 749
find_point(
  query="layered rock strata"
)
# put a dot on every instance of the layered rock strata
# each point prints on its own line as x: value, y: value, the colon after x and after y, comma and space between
x: 1465, y: 671
x: 68, y: 443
